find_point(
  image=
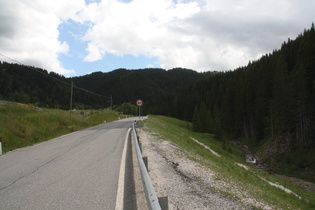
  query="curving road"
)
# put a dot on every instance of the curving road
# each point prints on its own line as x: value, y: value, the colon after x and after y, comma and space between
x: 76, y: 171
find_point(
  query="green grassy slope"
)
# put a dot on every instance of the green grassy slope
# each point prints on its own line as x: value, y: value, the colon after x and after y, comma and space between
x: 251, y: 180
x: 22, y: 125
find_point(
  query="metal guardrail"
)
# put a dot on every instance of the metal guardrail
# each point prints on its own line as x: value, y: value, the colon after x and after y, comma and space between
x: 150, y: 194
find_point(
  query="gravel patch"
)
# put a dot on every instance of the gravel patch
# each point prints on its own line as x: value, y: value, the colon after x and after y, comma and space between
x: 187, y: 184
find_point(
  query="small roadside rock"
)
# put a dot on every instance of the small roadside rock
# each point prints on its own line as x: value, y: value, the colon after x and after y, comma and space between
x: 187, y: 184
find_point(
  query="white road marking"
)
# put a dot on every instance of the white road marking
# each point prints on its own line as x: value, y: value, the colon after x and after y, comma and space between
x: 121, y: 180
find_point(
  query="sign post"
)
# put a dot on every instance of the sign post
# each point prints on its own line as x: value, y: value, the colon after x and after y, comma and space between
x: 139, y: 103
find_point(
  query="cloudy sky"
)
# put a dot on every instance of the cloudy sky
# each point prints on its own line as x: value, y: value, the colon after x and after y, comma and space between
x: 77, y: 37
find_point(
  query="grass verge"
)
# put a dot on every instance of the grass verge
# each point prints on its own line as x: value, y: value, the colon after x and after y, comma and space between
x: 24, y: 125
x: 249, y: 180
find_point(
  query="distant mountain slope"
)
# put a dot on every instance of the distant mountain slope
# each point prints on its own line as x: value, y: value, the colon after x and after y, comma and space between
x: 27, y: 84
x: 129, y: 85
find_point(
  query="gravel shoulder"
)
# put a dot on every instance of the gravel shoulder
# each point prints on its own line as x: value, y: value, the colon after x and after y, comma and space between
x: 187, y: 184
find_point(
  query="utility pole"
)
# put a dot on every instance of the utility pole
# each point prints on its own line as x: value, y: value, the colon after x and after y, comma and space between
x: 111, y: 102
x: 71, y: 100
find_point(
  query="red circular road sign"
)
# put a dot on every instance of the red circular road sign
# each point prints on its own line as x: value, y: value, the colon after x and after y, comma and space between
x: 139, y: 102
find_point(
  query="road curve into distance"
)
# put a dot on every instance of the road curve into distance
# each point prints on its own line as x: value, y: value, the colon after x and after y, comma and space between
x: 76, y: 171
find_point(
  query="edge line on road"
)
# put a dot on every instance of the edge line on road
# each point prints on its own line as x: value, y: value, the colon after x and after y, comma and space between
x: 121, y: 180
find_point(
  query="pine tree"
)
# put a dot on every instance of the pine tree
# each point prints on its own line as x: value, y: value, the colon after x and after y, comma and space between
x: 196, y: 120
x: 217, y: 127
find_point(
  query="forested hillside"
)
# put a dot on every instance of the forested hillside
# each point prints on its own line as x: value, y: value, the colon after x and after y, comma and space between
x: 271, y: 98
x: 33, y: 85
x: 146, y: 84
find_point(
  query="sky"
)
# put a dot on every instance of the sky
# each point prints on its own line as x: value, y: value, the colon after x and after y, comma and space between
x: 78, y: 37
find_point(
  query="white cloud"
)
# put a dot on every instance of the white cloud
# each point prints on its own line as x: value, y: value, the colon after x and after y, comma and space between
x: 94, y: 53
x: 197, y: 34
x: 202, y: 35
x: 138, y: 27
x: 30, y: 31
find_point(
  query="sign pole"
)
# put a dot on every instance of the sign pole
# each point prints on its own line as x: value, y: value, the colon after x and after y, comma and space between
x: 139, y: 103
x: 139, y: 112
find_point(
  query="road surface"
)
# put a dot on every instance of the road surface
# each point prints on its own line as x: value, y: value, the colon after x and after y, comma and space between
x: 76, y: 171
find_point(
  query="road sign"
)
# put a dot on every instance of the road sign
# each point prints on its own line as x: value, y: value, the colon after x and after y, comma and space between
x: 139, y: 102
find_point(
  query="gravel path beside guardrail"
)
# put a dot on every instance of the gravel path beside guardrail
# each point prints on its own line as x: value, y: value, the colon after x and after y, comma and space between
x: 187, y: 184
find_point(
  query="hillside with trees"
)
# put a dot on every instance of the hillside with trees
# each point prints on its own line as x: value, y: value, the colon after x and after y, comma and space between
x: 269, y: 104
x: 146, y: 84
x: 31, y: 85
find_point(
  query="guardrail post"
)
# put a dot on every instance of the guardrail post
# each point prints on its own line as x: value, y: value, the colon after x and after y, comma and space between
x: 163, y: 201
x: 145, y: 160
x: 140, y: 146
x: 0, y: 146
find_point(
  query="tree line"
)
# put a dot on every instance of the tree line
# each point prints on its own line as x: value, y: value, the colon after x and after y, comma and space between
x: 31, y: 85
x: 118, y: 88
x: 146, y: 84
x: 273, y: 97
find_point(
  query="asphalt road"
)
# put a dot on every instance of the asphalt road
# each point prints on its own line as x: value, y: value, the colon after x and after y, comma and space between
x: 76, y: 171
